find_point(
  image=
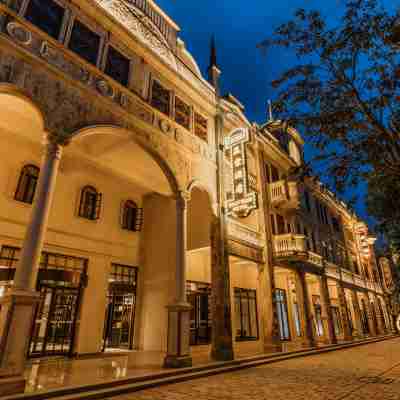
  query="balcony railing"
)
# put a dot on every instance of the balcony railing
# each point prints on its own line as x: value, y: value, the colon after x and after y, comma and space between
x: 294, y: 247
x: 284, y: 195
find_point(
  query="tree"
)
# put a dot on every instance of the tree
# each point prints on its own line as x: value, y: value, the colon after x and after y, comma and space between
x: 344, y: 94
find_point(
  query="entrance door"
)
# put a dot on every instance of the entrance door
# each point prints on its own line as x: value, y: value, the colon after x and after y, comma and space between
x: 120, y: 314
x: 119, y: 319
x: 200, y: 315
x: 55, y: 319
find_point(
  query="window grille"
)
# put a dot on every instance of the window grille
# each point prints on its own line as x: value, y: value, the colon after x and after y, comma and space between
x: 183, y: 113
x: 246, y: 314
x: 90, y: 203
x: 132, y: 216
x: 200, y: 127
x: 27, y: 184
x: 160, y: 98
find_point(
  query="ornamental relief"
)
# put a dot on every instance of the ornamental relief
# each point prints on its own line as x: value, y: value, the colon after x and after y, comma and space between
x: 140, y: 25
x: 67, y: 110
x: 104, y: 87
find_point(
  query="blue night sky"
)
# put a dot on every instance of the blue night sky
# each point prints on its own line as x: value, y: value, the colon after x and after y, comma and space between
x: 238, y: 27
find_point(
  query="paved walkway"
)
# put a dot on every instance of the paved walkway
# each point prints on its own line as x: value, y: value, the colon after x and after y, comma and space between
x: 366, y: 372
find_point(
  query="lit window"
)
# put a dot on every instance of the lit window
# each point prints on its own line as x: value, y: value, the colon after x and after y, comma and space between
x: 282, y: 311
x: 47, y: 15
x: 182, y: 113
x: 117, y: 66
x: 84, y: 42
x: 246, y: 314
x: 160, y: 98
x: 132, y: 217
x: 27, y: 184
x: 200, y: 127
x: 90, y: 204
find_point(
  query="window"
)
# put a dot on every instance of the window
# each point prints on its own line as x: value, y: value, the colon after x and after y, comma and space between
x: 307, y: 200
x: 337, y: 321
x: 160, y: 98
x: 246, y: 314
x: 297, y: 322
x: 182, y: 113
x: 47, y: 15
x: 200, y: 127
x: 273, y: 224
x: 336, y: 224
x: 280, y: 222
x: 117, y: 66
x: 27, y: 184
x: 319, y: 327
x: 90, y: 204
x: 132, y: 217
x: 84, y: 42
x: 282, y: 311
x: 274, y: 174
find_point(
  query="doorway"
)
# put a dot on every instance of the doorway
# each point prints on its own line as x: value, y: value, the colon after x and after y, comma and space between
x: 198, y: 295
x: 120, y: 310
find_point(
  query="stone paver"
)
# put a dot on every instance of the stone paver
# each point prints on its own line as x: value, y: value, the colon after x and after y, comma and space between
x: 366, y: 372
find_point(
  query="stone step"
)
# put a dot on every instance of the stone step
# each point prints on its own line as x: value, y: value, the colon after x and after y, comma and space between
x: 128, y: 385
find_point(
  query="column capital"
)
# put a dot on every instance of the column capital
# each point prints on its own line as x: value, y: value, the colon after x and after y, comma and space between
x: 182, y: 198
x: 54, y: 138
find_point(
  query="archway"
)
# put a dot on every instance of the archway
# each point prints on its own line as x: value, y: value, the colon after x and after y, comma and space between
x: 198, y: 276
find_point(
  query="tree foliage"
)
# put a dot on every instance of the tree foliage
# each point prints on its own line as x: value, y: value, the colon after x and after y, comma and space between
x: 344, y: 93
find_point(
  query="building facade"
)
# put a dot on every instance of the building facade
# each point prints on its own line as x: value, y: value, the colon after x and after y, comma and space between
x: 141, y: 210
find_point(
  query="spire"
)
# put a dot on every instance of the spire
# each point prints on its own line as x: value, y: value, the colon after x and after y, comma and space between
x: 213, y: 53
x: 213, y: 70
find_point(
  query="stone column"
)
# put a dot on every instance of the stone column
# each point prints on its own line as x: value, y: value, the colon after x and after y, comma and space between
x: 344, y: 311
x: 222, y: 341
x: 302, y: 290
x: 357, y: 314
x: 379, y: 316
x: 326, y: 304
x: 178, y: 345
x: 18, y: 305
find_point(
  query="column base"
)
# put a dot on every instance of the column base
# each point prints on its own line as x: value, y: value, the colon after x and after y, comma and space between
x: 222, y: 354
x: 16, y: 318
x: 10, y: 385
x: 177, y: 362
x: 178, y: 347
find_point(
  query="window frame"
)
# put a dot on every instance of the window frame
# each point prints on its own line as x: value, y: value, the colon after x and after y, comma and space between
x: 191, y: 112
x: 75, y: 15
x: 279, y: 306
x: 97, y: 206
x: 246, y: 292
x: 197, y: 113
x: 124, y: 53
x: 18, y: 188
x: 137, y: 223
x: 64, y: 24
x: 171, y: 97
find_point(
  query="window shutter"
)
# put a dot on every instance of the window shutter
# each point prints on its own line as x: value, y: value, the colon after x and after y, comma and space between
x: 122, y: 215
x: 82, y: 203
x: 99, y: 197
x: 139, y: 220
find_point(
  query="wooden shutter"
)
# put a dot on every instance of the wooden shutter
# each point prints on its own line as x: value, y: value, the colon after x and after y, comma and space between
x: 139, y: 220
x: 99, y: 197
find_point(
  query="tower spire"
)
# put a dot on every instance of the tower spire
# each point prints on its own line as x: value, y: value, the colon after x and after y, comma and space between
x: 213, y: 70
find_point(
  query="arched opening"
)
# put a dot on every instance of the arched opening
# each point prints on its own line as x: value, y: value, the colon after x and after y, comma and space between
x: 198, y: 276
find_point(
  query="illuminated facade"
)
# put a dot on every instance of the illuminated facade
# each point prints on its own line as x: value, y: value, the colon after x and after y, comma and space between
x: 158, y: 218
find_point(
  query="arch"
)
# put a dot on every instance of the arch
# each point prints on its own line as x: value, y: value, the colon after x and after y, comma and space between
x: 9, y: 89
x: 109, y: 129
x: 196, y: 184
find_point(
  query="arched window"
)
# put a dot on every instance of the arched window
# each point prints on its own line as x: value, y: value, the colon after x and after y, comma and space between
x: 132, y: 216
x: 27, y: 184
x: 90, y: 204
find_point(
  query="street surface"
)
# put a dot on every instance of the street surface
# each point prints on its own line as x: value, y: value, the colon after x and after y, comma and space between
x: 366, y: 372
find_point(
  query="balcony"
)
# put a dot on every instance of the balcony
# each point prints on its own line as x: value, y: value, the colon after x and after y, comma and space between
x: 284, y: 196
x: 293, y: 248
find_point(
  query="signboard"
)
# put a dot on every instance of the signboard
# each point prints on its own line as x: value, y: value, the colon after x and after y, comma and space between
x: 244, y: 200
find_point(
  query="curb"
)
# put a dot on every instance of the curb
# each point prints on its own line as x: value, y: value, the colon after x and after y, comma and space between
x: 128, y: 385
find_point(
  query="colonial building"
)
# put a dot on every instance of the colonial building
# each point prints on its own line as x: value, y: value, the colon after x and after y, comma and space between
x: 140, y: 209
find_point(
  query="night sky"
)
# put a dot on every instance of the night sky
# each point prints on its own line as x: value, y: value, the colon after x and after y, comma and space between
x: 238, y: 27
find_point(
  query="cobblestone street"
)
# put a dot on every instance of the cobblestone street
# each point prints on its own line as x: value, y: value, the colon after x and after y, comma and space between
x: 366, y: 372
